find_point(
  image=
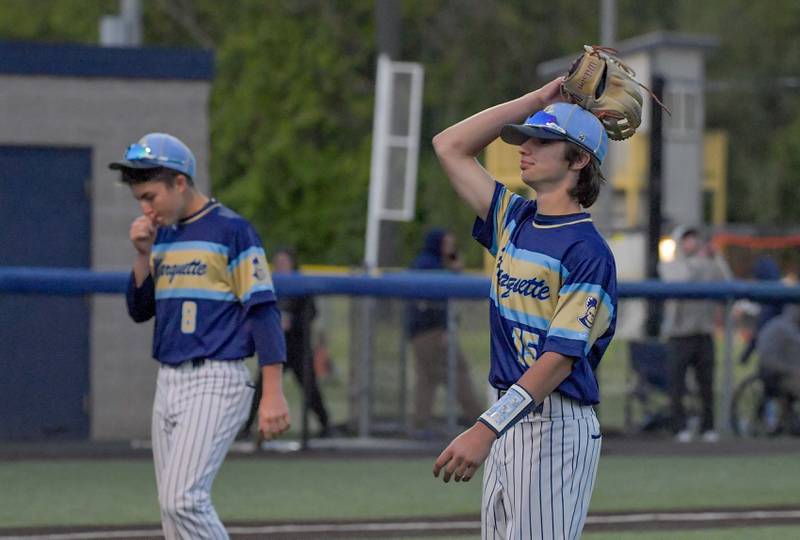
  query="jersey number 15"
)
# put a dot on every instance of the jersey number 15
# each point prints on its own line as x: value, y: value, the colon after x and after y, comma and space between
x: 525, y: 342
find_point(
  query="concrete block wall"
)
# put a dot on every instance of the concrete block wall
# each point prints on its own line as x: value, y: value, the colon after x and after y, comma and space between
x: 106, y: 115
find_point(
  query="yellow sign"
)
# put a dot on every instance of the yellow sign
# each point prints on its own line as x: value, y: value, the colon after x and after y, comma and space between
x: 630, y: 175
x: 715, y: 173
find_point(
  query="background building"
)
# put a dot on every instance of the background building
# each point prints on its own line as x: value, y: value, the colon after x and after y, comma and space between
x: 78, y: 367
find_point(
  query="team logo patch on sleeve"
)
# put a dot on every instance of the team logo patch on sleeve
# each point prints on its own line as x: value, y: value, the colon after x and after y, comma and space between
x: 587, y: 319
x: 259, y: 272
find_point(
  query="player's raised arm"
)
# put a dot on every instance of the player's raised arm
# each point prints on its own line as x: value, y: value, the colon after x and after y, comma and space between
x: 459, y: 145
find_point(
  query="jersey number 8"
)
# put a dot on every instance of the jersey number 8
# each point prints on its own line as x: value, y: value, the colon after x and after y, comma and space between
x: 188, y: 317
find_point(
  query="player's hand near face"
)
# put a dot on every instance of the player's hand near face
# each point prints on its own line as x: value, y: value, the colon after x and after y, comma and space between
x: 463, y: 457
x: 142, y: 235
x: 273, y: 410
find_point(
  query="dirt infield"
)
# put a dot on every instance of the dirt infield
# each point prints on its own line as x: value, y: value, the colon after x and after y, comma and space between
x: 445, y: 526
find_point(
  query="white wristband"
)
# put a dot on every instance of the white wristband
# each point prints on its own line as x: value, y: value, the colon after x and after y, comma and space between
x: 508, y: 410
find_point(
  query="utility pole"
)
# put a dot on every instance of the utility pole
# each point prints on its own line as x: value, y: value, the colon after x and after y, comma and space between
x: 654, y: 198
x: 387, y: 27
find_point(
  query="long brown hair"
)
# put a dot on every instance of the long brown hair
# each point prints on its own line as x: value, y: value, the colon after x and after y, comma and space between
x: 590, y: 179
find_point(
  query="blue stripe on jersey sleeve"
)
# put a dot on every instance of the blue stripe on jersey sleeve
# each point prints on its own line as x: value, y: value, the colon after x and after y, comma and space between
x: 202, y: 294
x: 190, y: 246
x: 566, y: 345
x: 244, y: 255
x: 263, y: 287
x: 591, y: 289
x: 569, y: 334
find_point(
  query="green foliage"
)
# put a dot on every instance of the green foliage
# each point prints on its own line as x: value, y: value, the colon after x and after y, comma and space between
x: 53, y: 20
x: 292, y: 100
x: 291, y: 123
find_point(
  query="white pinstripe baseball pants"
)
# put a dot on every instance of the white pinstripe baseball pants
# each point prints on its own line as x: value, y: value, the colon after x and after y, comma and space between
x: 539, y: 476
x: 196, y: 415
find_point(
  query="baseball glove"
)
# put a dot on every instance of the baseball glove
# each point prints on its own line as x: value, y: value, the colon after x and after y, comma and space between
x: 600, y: 83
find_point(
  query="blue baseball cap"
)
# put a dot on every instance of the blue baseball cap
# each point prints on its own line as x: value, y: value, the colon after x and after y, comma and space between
x: 158, y: 150
x: 561, y: 121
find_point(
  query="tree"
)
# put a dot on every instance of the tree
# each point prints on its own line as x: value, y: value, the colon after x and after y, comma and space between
x: 291, y: 124
x: 291, y: 107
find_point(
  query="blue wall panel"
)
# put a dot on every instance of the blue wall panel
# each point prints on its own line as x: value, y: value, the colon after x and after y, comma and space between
x: 45, y: 220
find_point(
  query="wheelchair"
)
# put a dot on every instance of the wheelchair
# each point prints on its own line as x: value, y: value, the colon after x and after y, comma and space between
x: 647, y: 400
x: 763, y: 406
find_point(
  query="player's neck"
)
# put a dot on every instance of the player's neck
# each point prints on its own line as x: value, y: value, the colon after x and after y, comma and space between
x: 195, y: 201
x: 556, y: 203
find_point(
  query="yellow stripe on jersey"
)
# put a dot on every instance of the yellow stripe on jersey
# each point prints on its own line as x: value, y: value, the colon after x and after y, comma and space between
x: 502, y: 205
x: 536, y: 294
x: 583, y: 314
x: 250, y: 273
x: 195, y: 269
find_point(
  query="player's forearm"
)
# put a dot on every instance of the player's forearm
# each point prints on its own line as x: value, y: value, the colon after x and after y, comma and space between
x: 272, y: 379
x: 457, y: 148
x: 545, y: 375
x: 470, y: 136
x: 141, y: 268
x: 265, y: 324
x: 526, y: 394
x: 140, y: 299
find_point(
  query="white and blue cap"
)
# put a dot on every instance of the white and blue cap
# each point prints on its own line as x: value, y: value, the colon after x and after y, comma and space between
x: 158, y: 150
x: 561, y: 121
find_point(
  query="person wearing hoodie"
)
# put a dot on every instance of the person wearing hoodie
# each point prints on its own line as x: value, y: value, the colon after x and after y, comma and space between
x: 427, y: 329
x: 688, y: 326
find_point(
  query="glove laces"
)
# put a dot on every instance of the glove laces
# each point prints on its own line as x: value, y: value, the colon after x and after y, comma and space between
x: 609, y: 55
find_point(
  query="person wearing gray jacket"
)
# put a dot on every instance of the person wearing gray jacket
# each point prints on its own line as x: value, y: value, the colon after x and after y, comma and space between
x: 777, y: 345
x: 688, y: 327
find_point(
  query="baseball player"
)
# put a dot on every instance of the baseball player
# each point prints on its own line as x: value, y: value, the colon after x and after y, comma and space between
x: 200, y: 269
x: 552, y: 315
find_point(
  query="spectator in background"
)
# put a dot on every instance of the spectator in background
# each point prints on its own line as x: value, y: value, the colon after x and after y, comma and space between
x: 297, y: 314
x: 688, y: 326
x: 766, y: 269
x: 427, y: 328
x: 778, y: 366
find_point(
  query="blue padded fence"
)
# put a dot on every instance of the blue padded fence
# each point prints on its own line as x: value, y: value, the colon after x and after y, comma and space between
x: 75, y: 281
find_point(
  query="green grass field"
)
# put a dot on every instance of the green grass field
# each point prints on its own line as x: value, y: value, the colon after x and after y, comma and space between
x: 38, y: 493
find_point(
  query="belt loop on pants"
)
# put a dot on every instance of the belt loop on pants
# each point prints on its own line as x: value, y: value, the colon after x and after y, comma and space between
x: 196, y: 363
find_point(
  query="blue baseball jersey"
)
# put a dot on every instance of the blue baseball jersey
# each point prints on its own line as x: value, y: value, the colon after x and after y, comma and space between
x: 208, y: 271
x: 554, y: 288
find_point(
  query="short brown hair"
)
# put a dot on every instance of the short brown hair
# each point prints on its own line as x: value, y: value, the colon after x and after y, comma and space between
x: 132, y: 176
x: 590, y: 178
